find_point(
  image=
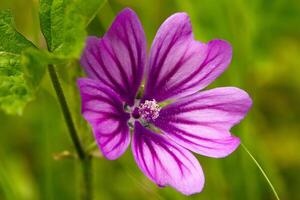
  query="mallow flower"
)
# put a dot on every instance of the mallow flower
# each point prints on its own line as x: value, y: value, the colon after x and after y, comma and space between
x: 169, y: 118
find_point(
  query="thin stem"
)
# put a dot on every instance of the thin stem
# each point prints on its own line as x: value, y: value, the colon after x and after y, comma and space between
x: 85, y: 160
x: 261, y: 170
x: 66, y: 112
x: 87, y: 187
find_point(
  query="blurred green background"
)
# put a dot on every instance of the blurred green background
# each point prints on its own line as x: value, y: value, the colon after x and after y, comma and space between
x: 265, y: 36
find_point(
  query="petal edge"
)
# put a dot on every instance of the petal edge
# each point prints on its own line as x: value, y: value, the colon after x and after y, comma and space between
x: 166, y: 163
x: 103, y: 109
x: 201, y: 122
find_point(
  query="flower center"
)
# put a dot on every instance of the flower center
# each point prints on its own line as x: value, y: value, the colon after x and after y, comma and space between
x: 149, y: 110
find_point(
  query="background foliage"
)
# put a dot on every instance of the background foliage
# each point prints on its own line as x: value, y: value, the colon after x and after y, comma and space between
x: 266, y: 43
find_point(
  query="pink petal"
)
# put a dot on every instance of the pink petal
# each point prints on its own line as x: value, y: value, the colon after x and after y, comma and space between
x: 165, y: 162
x: 118, y: 59
x: 179, y: 65
x: 103, y: 109
x: 201, y: 122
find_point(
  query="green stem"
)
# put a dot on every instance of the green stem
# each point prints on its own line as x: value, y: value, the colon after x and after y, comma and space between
x: 66, y: 112
x: 262, y: 171
x: 87, y: 188
x: 83, y: 157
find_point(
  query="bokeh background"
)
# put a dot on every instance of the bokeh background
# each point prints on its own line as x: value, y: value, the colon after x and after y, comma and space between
x: 266, y: 41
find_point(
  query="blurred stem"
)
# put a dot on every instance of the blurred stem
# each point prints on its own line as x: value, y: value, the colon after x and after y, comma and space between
x: 262, y: 171
x: 66, y: 112
x: 87, y: 193
x: 83, y: 157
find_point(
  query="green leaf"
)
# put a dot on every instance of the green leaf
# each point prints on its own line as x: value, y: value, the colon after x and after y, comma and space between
x: 10, y: 39
x: 14, y: 92
x: 63, y: 24
x: 35, y: 62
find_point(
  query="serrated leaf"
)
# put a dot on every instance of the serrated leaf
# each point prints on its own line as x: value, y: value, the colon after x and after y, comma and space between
x: 14, y: 92
x: 10, y: 39
x: 63, y: 24
x: 21, y: 66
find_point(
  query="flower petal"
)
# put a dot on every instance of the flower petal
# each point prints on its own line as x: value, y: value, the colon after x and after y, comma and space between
x: 165, y: 162
x: 201, y: 122
x: 103, y: 109
x: 179, y: 65
x: 118, y: 59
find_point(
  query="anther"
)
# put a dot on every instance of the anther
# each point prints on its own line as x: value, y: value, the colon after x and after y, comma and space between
x: 149, y: 110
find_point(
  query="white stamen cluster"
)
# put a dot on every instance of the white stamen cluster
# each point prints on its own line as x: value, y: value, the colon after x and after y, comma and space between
x: 149, y: 110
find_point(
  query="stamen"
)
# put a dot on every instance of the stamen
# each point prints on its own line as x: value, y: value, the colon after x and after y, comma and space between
x: 149, y: 110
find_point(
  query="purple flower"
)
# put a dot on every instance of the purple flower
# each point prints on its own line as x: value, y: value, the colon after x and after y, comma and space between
x: 171, y: 118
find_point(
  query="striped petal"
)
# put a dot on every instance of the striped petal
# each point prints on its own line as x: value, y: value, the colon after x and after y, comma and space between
x: 118, y: 59
x: 201, y: 122
x: 165, y: 162
x: 103, y: 109
x: 179, y: 65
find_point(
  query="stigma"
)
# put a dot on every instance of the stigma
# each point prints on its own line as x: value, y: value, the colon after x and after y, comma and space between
x: 149, y: 110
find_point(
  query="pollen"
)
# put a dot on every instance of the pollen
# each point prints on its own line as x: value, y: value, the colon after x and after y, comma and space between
x: 149, y: 110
